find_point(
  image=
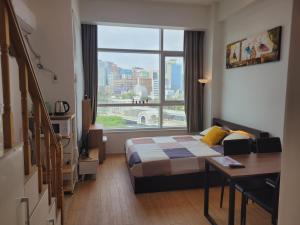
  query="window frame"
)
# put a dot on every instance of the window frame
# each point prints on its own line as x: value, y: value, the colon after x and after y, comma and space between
x: 163, y: 54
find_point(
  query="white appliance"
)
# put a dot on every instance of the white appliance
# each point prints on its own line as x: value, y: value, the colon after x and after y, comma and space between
x: 62, y: 127
x: 25, y: 16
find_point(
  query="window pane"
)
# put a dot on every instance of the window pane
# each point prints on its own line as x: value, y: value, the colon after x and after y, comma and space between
x: 174, y: 116
x: 173, y: 40
x: 128, y: 117
x: 174, y: 79
x: 127, y: 76
x: 128, y: 38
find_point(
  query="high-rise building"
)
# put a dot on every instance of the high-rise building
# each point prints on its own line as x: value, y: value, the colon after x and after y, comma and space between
x: 136, y: 72
x: 173, y: 75
x: 155, y: 86
x: 168, y: 73
x: 146, y: 82
x: 102, y: 73
x: 176, y: 78
x: 126, y: 73
x: 122, y: 86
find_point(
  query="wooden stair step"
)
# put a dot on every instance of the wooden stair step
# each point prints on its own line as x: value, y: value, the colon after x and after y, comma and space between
x: 58, y: 217
x: 52, y: 210
x: 41, y: 210
x: 32, y: 172
x: 31, y: 189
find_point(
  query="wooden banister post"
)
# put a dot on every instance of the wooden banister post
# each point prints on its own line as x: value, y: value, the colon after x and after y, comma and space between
x: 8, y: 130
x: 23, y: 84
x: 37, y: 129
x: 53, y: 166
x: 48, y: 162
x: 59, y: 168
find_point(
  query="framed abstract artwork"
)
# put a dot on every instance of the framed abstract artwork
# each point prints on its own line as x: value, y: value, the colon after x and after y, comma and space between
x: 256, y: 49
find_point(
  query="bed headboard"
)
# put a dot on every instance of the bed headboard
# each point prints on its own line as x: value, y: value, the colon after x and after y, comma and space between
x: 234, y: 126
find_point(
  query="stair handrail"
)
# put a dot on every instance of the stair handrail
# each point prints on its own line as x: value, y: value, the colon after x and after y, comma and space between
x: 21, y: 48
x: 12, y: 41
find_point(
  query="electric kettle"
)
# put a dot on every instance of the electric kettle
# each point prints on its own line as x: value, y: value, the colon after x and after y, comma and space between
x: 61, y: 107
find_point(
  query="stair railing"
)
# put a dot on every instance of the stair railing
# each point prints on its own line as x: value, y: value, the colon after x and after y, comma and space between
x: 50, y: 171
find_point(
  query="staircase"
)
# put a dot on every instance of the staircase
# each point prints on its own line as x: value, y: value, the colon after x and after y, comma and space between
x: 31, y: 180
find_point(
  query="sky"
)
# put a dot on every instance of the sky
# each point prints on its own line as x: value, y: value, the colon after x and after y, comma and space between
x: 136, y: 38
x: 130, y: 60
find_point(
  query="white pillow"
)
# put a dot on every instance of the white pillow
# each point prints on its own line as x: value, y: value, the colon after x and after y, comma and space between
x: 203, y: 133
x: 235, y: 136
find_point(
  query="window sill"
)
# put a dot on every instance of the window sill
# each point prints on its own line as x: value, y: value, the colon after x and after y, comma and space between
x: 111, y: 131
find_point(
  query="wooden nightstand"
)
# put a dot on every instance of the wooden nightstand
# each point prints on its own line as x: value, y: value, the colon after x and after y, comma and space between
x: 89, y: 165
x: 97, y: 140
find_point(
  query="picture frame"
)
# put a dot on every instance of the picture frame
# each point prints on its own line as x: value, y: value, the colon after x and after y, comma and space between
x: 257, y: 49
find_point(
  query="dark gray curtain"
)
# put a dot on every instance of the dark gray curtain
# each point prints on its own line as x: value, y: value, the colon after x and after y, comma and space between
x: 193, y: 58
x: 90, y: 68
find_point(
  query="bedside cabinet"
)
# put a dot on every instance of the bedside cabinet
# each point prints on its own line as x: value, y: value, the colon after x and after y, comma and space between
x: 97, y: 140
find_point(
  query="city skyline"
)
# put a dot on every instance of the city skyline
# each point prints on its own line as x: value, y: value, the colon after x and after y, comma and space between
x: 116, y: 82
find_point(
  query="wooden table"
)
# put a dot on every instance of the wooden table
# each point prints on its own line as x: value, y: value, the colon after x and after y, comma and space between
x: 260, y: 164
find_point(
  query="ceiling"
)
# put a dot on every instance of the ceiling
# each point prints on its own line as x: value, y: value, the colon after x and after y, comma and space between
x: 198, y: 2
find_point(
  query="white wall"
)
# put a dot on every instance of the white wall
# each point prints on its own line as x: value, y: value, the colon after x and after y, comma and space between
x: 230, y: 7
x: 212, y: 72
x: 78, y: 67
x: 58, y: 40
x: 24, y: 13
x: 290, y: 183
x: 54, y: 42
x: 207, y: 72
x: 145, y: 13
x: 255, y: 95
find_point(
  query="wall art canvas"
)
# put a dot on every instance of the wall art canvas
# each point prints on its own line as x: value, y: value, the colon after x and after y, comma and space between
x: 257, y: 49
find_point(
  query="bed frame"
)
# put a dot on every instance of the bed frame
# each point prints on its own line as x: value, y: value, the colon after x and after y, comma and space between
x: 187, y: 181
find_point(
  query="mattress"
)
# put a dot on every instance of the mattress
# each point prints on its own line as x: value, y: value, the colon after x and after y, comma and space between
x: 170, y: 155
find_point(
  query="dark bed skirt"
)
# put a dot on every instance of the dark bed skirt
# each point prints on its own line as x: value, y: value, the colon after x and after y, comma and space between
x: 174, y: 182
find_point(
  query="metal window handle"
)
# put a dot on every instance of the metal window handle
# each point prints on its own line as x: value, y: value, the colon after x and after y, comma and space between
x: 51, y: 221
x: 26, y: 201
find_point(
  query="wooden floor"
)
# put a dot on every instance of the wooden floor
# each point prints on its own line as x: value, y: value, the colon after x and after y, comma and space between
x: 109, y: 200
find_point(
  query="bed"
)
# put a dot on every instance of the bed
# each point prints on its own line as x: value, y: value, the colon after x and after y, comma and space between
x: 174, y: 162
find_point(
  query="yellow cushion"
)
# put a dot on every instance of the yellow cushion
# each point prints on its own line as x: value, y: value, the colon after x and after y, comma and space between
x: 214, y: 136
x: 243, y: 133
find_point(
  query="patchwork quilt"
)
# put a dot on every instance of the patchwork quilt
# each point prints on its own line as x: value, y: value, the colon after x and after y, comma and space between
x: 154, y: 156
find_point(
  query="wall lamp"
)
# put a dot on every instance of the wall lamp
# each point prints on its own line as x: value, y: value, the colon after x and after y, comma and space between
x: 203, y: 81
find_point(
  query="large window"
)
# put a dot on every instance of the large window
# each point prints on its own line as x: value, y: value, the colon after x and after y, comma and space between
x: 140, y: 80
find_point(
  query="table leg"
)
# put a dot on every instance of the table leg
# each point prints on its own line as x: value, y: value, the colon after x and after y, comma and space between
x: 206, y: 195
x: 231, y: 203
x: 206, y: 189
